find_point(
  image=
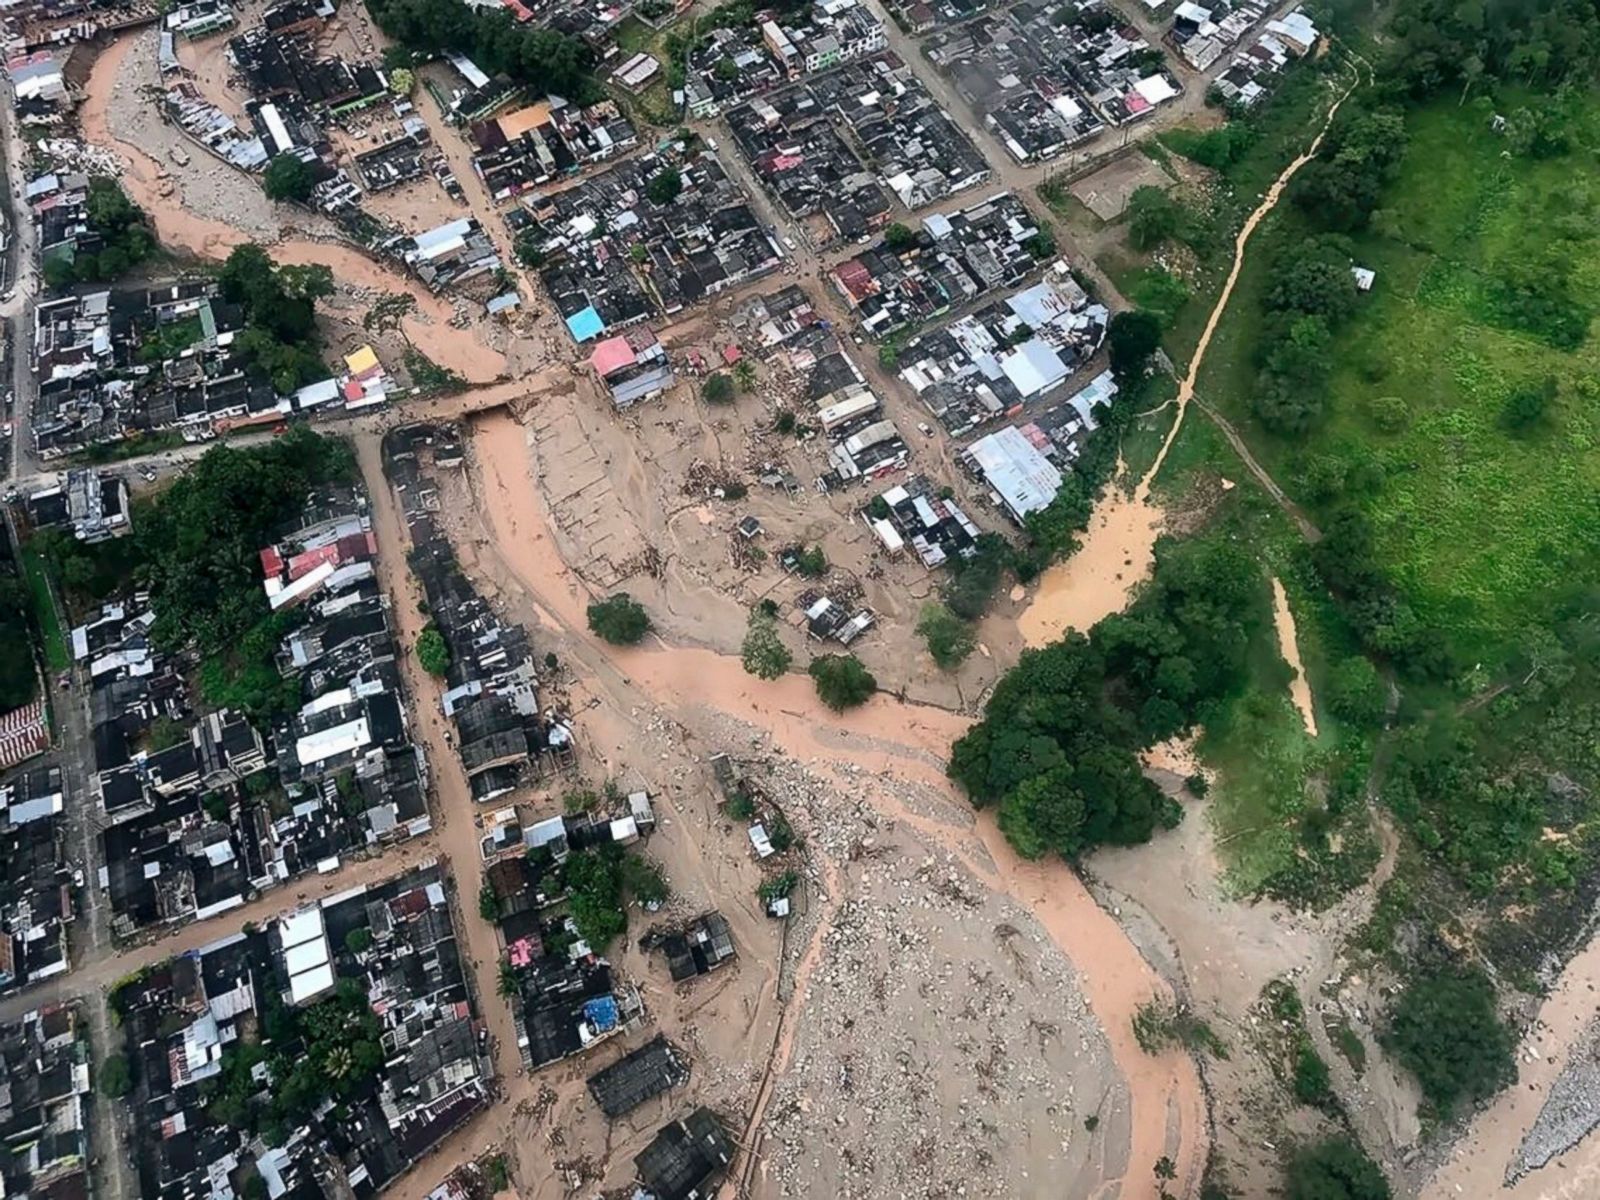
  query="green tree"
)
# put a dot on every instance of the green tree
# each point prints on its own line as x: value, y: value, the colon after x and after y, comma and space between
x: 898, y: 237
x: 358, y: 941
x: 288, y: 177
x: 529, y: 248
x: 433, y: 652
x: 1153, y: 218
x: 1133, y: 336
x: 619, y: 619
x: 594, y: 884
x: 643, y: 879
x: 763, y: 653
x: 1447, y: 1032
x: 488, y: 903
x: 402, y: 80
x: 842, y: 682
x: 949, y: 638
x: 811, y: 562
x: 717, y: 389
x: 1044, y: 814
x: 116, y: 1079
x: 664, y: 186
x: 1356, y: 693
x: 1526, y: 406
x: 1334, y: 1169
x: 744, y: 375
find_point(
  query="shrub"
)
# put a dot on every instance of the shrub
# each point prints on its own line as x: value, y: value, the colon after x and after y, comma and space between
x: 432, y: 651
x: 763, y: 653
x: 811, y: 562
x: 1356, y: 692
x: 1446, y: 1031
x: 1311, y: 1078
x: 949, y: 638
x: 1336, y: 1169
x: 717, y: 389
x: 488, y: 903
x: 619, y: 619
x: 116, y: 1079
x: 842, y: 682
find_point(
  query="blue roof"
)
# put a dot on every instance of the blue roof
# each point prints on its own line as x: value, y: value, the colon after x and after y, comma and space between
x: 601, y: 1012
x: 585, y: 325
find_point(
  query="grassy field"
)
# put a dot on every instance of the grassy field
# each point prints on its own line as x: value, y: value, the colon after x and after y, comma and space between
x: 56, y: 656
x: 1269, y: 807
x: 1474, y: 522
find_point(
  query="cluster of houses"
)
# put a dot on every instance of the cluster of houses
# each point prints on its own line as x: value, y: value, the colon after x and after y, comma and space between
x: 617, y: 250
x: 799, y: 142
x: 45, y: 1105
x: 567, y: 999
x: 1022, y: 464
x: 1253, y: 70
x: 536, y: 144
x: 731, y: 63
x: 322, y: 1055
x: 506, y: 738
x: 203, y: 810
x: 133, y: 362
x: 1008, y: 353
x: 829, y: 391
x: 37, y: 884
x: 1046, y: 78
x: 950, y: 261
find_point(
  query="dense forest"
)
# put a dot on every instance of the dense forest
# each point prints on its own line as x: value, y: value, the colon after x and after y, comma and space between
x: 541, y: 59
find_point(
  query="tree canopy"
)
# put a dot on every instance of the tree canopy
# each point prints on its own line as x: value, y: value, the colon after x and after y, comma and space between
x: 842, y: 682
x: 619, y: 619
x: 1447, y: 1032
x: 1334, y: 1169
x: 664, y: 186
x: 433, y: 652
x: 288, y: 177
x: 1133, y: 336
x: 280, y: 305
x: 541, y: 59
x: 763, y: 653
x: 198, y: 547
x: 1056, y: 748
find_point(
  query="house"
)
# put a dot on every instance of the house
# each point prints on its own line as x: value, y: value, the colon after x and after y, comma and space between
x: 685, y: 1158
x: 654, y: 1068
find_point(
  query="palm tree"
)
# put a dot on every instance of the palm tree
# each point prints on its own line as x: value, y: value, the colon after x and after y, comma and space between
x: 744, y: 375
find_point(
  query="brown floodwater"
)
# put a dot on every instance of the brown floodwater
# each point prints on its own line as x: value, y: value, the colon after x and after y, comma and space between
x: 149, y: 184
x: 884, y: 737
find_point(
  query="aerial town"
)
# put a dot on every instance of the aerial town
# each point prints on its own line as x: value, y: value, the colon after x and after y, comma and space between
x: 835, y: 598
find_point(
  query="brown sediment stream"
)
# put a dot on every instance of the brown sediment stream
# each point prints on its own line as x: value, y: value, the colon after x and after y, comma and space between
x: 1289, y: 647
x: 149, y: 185
x: 1119, y: 547
x: 884, y: 737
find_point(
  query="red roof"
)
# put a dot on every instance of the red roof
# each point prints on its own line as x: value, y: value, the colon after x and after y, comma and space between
x: 731, y: 354
x: 611, y: 356
x: 271, y: 562
x: 854, y: 278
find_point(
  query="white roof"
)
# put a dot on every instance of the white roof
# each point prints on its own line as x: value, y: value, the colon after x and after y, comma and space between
x: 889, y: 536
x: 1033, y: 367
x: 331, y: 743
x: 1069, y: 108
x: 1156, y: 88
x: 311, y: 984
x: 305, y: 956
x: 301, y: 926
x: 1013, y: 466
